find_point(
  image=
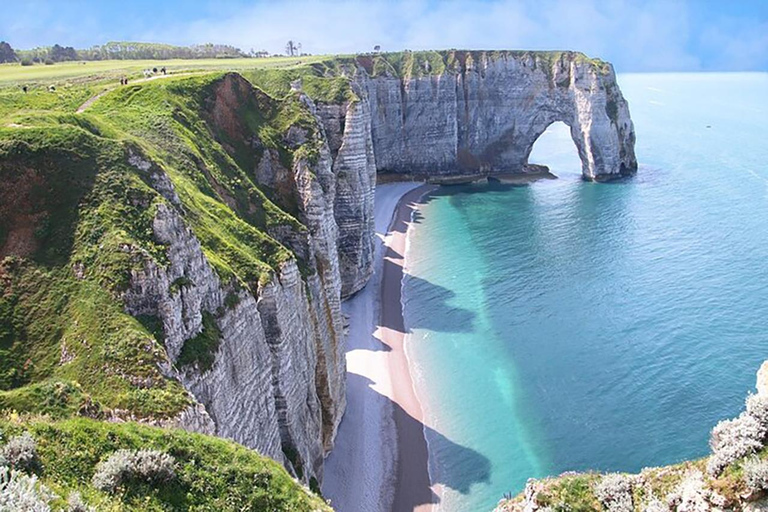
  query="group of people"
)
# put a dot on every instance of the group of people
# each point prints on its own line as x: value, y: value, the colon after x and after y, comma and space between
x: 149, y: 72
x: 51, y: 88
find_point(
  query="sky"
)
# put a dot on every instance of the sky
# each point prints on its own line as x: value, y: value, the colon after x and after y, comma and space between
x: 635, y: 35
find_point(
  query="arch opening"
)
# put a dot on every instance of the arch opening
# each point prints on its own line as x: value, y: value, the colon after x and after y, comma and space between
x: 556, y: 149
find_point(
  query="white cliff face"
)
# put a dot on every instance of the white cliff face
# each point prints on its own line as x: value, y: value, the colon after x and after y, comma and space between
x: 277, y: 380
x: 485, y: 115
x: 349, y: 134
x: 478, y: 118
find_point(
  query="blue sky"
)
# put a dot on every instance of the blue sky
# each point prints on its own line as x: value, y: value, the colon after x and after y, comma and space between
x: 636, y: 35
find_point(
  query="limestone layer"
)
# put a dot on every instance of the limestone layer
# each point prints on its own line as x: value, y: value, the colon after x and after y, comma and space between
x: 479, y: 116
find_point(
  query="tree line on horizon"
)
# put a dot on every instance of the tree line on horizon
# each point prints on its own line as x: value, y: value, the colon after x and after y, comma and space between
x: 123, y: 51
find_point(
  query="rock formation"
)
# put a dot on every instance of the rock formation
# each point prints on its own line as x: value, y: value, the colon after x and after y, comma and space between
x: 471, y: 114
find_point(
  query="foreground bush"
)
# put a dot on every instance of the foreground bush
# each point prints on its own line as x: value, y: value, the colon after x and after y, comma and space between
x: 20, y: 452
x: 210, y: 473
x: 615, y: 492
x: 125, y: 466
x: 756, y: 474
x: 75, y: 503
x: 20, y: 492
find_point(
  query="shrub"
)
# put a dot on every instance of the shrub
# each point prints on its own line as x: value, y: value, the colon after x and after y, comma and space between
x: 756, y: 474
x: 22, y: 493
x: 124, y: 466
x: 757, y: 407
x: 655, y: 505
x: 733, y: 439
x: 615, y: 492
x: 21, y: 452
x: 76, y: 504
x: 26, y: 62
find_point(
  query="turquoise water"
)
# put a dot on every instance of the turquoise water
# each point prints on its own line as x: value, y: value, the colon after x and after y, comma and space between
x: 570, y: 325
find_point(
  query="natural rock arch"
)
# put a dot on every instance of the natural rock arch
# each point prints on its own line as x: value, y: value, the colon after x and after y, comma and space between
x: 553, y: 151
x: 483, y: 116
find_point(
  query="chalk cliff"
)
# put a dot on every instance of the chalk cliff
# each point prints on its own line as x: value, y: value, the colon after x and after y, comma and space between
x: 445, y: 114
x: 277, y: 380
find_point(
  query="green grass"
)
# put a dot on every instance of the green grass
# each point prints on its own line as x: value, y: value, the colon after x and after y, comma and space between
x: 202, y: 348
x: 571, y: 493
x: 211, y: 473
x: 97, y: 71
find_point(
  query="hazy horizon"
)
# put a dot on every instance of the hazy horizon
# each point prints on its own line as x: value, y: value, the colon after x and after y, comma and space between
x: 658, y: 35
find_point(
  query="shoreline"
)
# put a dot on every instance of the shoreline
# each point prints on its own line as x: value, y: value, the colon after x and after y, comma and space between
x: 383, y: 419
x: 413, y: 486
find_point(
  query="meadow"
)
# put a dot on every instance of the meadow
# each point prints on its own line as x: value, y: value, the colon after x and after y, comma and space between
x: 107, y: 70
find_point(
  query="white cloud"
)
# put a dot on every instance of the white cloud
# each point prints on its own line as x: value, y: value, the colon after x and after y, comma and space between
x: 636, y: 35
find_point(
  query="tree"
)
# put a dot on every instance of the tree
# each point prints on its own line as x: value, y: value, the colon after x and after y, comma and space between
x: 291, y: 48
x: 62, y: 53
x: 7, y: 54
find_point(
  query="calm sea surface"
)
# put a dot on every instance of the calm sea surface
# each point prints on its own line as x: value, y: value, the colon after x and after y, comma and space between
x: 570, y: 325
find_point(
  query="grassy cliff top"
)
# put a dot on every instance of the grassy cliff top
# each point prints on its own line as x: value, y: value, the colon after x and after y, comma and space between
x: 209, y: 473
x: 76, y: 218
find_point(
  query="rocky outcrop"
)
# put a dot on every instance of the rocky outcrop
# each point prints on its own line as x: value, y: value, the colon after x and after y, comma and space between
x: 484, y: 113
x: 349, y: 134
x: 479, y: 116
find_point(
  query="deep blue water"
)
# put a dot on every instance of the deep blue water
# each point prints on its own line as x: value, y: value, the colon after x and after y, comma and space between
x: 569, y: 325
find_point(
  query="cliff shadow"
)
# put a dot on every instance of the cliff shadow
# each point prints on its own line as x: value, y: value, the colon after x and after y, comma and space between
x: 407, y: 212
x: 443, y: 316
x: 411, y: 474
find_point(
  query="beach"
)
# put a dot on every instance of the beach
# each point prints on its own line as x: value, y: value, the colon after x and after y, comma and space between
x: 380, y: 462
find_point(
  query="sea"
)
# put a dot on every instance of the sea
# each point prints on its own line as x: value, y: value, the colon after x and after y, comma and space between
x: 572, y: 326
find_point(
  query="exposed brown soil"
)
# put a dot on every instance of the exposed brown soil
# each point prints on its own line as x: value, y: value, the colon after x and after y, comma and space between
x: 19, y: 212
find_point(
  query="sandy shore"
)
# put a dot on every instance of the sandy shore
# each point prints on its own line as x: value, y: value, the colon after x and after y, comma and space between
x: 380, y: 460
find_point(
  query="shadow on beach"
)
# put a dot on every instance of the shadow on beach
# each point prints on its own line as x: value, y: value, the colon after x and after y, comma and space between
x: 411, y: 479
x: 446, y: 318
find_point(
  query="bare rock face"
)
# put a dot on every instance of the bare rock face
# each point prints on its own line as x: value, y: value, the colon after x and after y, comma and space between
x: 478, y: 117
x: 349, y: 133
x: 484, y: 115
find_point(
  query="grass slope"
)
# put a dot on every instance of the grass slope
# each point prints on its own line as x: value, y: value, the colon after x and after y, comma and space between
x: 211, y: 473
x: 77, y: 217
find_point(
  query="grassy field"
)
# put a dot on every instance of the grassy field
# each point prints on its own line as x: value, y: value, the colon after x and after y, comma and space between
x: 106, y: 70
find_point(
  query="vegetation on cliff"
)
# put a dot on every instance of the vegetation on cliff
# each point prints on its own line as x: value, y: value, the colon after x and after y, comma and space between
x: 734, y: 477
x: 113, y: 466
x: 79, y: 194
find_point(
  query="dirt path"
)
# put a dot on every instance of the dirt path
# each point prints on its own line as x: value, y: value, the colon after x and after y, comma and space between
x: 90, y: 101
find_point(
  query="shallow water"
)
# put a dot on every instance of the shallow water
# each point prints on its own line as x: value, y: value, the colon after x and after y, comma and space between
x: 569, y: 325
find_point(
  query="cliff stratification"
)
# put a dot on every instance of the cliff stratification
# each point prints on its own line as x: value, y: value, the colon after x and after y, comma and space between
x: 433, y: 115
